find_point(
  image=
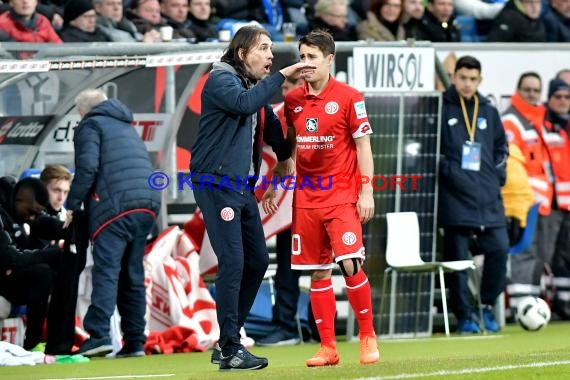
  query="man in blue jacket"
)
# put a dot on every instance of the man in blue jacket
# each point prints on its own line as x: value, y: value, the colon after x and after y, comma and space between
x: 472, y: 171
x: 112, y: 167
x: 236, y: 119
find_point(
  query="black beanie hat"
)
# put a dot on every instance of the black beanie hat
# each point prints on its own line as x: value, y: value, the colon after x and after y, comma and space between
x: 75, y: 8
x: 557, y: 85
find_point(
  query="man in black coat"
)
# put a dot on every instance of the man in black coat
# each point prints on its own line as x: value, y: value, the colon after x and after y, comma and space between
x: 437, y: 23
x: 471, y: 213
x: 519, y: 21
x: 79, y: 23
x: 112, y: 184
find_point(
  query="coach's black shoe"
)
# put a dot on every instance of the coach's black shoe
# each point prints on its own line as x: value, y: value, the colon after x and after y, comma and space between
x: 242, y: 360
x: 216, y: 353
x: 93, y: 347
x: 131, y: 350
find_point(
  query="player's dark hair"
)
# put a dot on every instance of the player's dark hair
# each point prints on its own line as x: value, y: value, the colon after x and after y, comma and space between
x: 321, y: 39
x: 468, y: 62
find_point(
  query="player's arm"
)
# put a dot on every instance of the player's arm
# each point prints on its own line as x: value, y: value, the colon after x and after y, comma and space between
x: 365, y: 204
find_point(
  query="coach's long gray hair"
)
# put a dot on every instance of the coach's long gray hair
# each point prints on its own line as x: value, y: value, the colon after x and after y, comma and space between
x: 89, y: 98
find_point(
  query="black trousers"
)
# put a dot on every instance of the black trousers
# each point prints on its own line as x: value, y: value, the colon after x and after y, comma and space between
x: 234, y: 226
x: 49, y: 271
x: 491, y: 242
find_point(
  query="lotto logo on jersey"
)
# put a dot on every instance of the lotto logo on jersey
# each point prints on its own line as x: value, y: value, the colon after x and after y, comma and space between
x: 312, y: 124
x: 360, y: 109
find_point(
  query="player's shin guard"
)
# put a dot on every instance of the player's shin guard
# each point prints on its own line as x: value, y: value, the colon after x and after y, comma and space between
x: 360, y: 298
x: 323, y: 304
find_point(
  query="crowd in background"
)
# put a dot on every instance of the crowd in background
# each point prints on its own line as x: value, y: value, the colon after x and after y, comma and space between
x: 348, y: 20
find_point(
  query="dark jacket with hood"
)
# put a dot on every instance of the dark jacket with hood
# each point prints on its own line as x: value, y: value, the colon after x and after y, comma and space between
x: 231, y: 118
x: 471, y: 198
x: 112, y: 167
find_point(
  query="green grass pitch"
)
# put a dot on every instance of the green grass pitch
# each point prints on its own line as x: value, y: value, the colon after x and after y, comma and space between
x: 512, y: 354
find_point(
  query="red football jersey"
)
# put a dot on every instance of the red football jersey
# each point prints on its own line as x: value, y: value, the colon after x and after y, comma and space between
x: 325, y: 128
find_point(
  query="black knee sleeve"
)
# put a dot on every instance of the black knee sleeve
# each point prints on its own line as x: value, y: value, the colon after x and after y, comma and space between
x: 354, y: 265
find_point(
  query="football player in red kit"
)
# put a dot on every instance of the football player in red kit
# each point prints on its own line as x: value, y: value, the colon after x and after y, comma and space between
x: 328, y: 124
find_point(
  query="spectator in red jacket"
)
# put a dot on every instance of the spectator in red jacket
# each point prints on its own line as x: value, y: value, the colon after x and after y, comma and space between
x: 23, y: 24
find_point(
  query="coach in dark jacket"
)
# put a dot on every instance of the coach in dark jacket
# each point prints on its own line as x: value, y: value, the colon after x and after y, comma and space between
x: 472, y: 171
x: 112, y: 167
x: 235, y: 119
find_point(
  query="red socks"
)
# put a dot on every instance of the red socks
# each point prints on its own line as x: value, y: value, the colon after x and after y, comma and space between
x: 323, y: 304
x: 360, y: 298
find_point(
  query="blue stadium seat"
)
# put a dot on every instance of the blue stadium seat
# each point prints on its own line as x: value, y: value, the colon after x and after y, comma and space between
x: 31, y: 172
x: 526, y: 239
x: 467, y: 27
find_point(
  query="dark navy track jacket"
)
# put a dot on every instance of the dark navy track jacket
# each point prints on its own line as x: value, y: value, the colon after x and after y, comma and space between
x: 469, y: 198
x: 223, y: 147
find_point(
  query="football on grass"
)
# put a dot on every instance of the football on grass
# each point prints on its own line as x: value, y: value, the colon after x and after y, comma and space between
x: 533, y: 313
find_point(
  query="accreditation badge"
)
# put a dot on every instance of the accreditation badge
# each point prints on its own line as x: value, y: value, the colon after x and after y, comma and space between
x: 471, y: 156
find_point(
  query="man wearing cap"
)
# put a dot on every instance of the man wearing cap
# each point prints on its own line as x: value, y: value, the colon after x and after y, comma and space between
x: 545, y: 145
x: 79, y: 23
x: 557, y: 126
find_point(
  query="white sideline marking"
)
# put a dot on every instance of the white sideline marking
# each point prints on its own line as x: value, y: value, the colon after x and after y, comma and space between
x: 468, y: 371
x: 441, y: 339
x: 114, y: 377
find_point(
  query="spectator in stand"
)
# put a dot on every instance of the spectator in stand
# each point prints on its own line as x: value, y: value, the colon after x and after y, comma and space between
x: 145, y: 14
x: 332, y: 16
x: 79, y: 23
x: 241, y: 10
x: 23, y: 24
x: 483, y: 11
x: 412, y: 18
x: 556, y: 19
x: 437, y: 23
x: 52, y: 12
x: 479, y: 9
x: 383, y: 21
x: 519, y: 21
x: 176, y: 14
x: 116, y: 27
x: 564, y: 75
x: 202, y: 23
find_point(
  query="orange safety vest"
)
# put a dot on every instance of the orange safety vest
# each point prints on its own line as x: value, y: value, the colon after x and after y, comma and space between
x: 520, y: 121
x: 558, y: 146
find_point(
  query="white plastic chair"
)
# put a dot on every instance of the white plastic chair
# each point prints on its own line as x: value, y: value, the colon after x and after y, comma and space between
x: 403, y: 255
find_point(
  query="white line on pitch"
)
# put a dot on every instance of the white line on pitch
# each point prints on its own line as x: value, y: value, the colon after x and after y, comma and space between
x: 468, y: 371
x: 115, y: 377
x: 442, y: 339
